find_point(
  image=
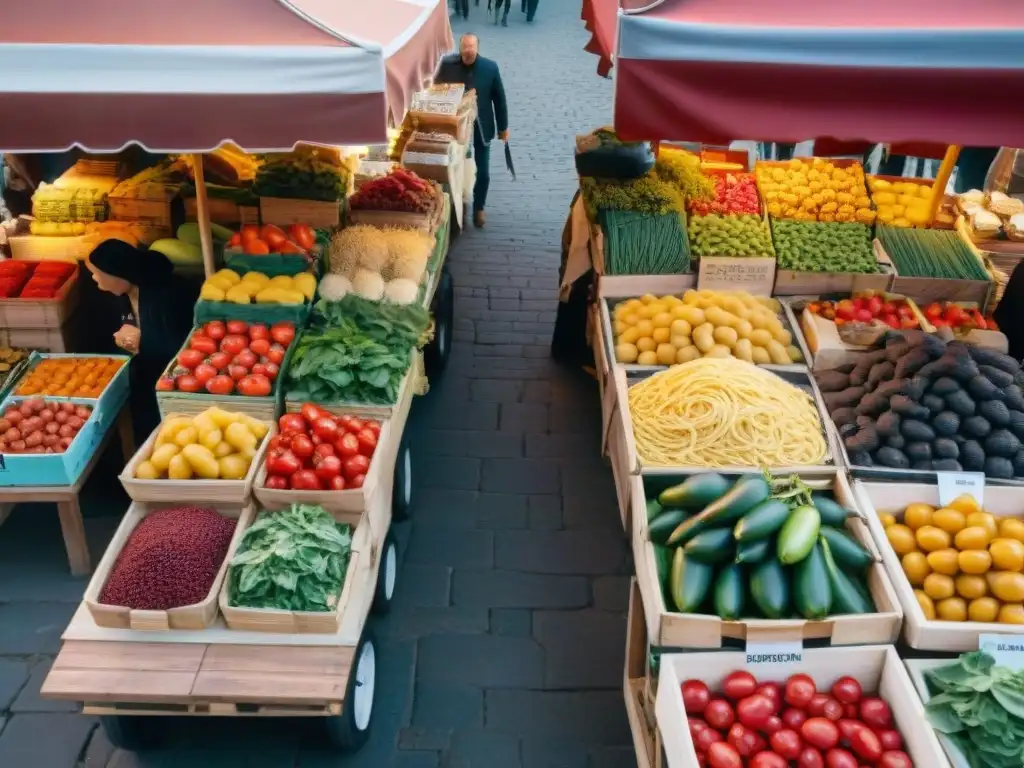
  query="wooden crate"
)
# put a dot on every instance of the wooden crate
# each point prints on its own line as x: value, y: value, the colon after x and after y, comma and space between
x: 198, y: 616
x: 876, y: 667
x: 636, y: 686
x: 292, y: 622
x: 248, y: 214
x: 221, y: 211
x: 665, y: 627
x: 42, y: 313
x: 43, y: 339
x: 194, y: 403
x: 154, y: 212
x: 790, y: 282
x: 917, y: 668
x: 43, y: 248
x: 195, y: 490
x: 421, y: 221
x: 948, y: 201
x: 925, y: 290
x: 878, y: 498
x: 285, y: 212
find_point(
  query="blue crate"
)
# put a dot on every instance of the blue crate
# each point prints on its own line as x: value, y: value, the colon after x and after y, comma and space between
x: 116, y: 390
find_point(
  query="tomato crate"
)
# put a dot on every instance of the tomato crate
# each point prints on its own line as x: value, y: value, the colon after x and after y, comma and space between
x: 50, y: 313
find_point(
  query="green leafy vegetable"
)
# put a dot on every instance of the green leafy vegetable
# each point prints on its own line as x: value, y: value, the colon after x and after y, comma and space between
x: 302, y: 177
x: 292, y: 560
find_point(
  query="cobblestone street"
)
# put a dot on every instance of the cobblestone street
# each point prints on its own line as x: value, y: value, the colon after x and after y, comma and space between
x: 504, y: 647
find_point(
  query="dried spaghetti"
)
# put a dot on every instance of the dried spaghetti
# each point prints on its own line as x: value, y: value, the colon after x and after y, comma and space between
x: 723, y: 412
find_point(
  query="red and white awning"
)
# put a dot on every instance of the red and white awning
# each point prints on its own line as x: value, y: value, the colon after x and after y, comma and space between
x: 789, y: 70
x: 188, y: 75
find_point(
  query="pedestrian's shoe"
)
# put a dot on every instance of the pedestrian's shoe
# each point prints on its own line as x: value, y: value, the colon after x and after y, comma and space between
x: 504, y: 20
x: 479, y: 218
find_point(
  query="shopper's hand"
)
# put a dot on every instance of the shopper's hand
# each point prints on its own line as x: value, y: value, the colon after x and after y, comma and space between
x: 127, y: 338
x: 503, y: 135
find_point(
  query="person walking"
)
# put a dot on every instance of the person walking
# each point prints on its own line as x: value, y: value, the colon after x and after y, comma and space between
x: 462, y: 8
x: 482, y: 75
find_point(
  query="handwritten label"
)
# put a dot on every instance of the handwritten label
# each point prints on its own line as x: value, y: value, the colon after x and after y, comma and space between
x: 785, y: 652
x: 723, y: 273
x: 953, y: 484
x: 1007, y: 650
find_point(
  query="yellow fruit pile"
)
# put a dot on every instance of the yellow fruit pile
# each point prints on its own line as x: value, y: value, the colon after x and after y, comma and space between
x: 901, y: 203
x: 669, y: 330
x: 227, y: 285
x: 815, y: 190
x: 964, y: 563
x: 214, y: 445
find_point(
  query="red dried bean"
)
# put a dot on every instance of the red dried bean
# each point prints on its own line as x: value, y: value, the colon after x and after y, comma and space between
x: 170, y: 560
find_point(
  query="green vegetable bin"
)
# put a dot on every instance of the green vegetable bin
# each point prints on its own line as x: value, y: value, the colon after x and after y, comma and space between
x: 917, y: 668
x: 252, y: 313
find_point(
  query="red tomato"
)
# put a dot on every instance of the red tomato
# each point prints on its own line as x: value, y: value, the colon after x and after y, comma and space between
x: 220, y: 385
x: 303, y: 447
x: 276, y: 354
x: 358, y: 465
x: 204, y: 372
x: 260, y: 347
x: 794, y: 718
x: 742, y: 739
x: 204, y: 344
x: 165, y: 384
x: 336, y: 483
x: 305, y: 480
x: 754, y: 711
x: 739, y: 685
x: 786, y: 743
x: 258, y: 331
x: 348, y: 445
x: 190, y: 358
x: 310, y: 412
x: 705, y: 738
x: 696, y: 725
x: 833, y: 710
x: 695, y: 695
x: 283, y: 463
x: 325, y: 428
x: 847, y: 728
x: 260, y: 368
x: 846, y: 690
x: 820, y: 732
x: 280, y: 440
x: 344, y: 421
x: 875, y: 713
x: 767, y: 760
x: 718, y: 713
x: 840, y: 758
x: 773, y: 724
x: 722, y: 755
x: 272, y: 370
x: 774, y: 692
x: 817, y: 706
x: 277, y: 482
x: 272, y: 235
x: 303, y: 235
x: 282, y: 333
x: 354, y: 424
x: 810, y: 758
x: 357, y: 481
x: 187, y: 383
x: 233, y: 344
x: 235, y: 241
x: 291, y: 422
x: 850, y: 711
x: 800, y: 689
x: 367, y: 442
x: 890, y: 740
x: 237, y: 372
x: 373, y: 425
x: 865, y: 744
x: 326, y: 467
x: 894, y: 758
x: 215, y: 330
x: 219, y: 360
x: 237, y: 327
x: 246, y: 358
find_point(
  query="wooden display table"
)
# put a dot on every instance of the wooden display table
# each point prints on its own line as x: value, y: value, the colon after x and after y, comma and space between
x: 66, y: 496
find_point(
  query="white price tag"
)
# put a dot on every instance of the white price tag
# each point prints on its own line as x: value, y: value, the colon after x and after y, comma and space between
x: 1007, y: 650
x: 953, y: 484
x: 785, y: 652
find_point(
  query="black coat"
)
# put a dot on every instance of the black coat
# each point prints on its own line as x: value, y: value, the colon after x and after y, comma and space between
x: 485, y: 77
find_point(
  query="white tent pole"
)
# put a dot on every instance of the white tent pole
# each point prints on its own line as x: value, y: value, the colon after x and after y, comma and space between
x: 203, y: 216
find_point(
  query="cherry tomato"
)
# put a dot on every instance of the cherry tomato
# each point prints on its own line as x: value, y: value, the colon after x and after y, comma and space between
x: 190, y: 358
x: 215, y: 330
x: 794, y: 718
x: 742, y: 739
x: 840, y: 758
x: 833, y: 710
x: 890, y: 740
x: 310, y: 412
x: 203, y: 343
x: 846, y: 729
x: 754, y: 711
x: 220, y: 385
x: 336, y: 483
x: 894, y: 758
x: 277, y: 482
x: 232, y: 344
x: 820, y: 732
x: 739, y: 685
x: 367, y: 442
x: 706, y: 738
x: 800, y: 689
x: 817, y: 706
x: 303, y: 447
x: 291, y: 422
x: 282, y: 333
x: 358, y: 465
x: 718, y: 713
x: 258, y: 331
x: 865, y: 744
x: 810, y: 758
x: 786, y: 743
x: 237, y: 327
x: 722, y: 755
x: 846, y: 690
x: 696, y: 726
x: 325, y: 428
x: 255, y: 385
x: 348, y: 445
x: 874, y: 712
x: 355, y: 424
x: 767, y: 760
x: 305, y: 480
x: 357, y: 481
x: 774, y: 692
x: 187, y: 383
x: 695, y: 696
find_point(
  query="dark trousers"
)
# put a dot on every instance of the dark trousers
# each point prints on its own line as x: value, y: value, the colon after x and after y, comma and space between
x: 530, y: 6
x: 482, y: 155
x: 462, y: 8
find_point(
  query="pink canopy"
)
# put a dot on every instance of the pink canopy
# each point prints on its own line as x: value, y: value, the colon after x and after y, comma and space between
x: 788, y: 70
x: 188, y: 75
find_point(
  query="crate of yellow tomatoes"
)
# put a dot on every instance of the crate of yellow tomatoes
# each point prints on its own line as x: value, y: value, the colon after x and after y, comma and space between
x: 958, y: 567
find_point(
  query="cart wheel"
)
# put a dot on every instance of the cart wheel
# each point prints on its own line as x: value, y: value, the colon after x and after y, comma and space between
x: 436, y: 353
x: 349, y: 730
x: 130, y: 732
x: 401, y: 495
x: 387, y: 575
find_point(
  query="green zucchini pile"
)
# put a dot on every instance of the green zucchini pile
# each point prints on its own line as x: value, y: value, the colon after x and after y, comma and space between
x: 757, y: 547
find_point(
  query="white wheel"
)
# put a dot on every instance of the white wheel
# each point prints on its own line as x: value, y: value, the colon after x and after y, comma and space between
x: 387, y: 576
x: 401, y: 497
x: 350, y: 730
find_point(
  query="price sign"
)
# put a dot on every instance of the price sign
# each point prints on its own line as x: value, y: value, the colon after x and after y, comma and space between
x: 755, y: 275
x: 953, y: 484
x: 1007, y: 650
x: 784, y: 652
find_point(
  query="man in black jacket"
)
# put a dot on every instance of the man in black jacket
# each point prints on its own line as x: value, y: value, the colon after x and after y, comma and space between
x: 476, y: 72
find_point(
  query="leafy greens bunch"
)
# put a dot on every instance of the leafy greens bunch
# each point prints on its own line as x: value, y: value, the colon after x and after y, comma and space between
x: 291, y: 560
x: 980, y: 708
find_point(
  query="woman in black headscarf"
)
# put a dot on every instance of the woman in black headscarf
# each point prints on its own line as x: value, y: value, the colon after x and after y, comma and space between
x: 152, y: 316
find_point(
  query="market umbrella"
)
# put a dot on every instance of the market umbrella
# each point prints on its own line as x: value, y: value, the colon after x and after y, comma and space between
x: 786, y: 70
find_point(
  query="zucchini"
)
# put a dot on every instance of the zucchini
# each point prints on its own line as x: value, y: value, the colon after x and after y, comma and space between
x: 661, y: 527
x: 754, y: 551
x: 762, y: 521
x: 730, y: 593
x: 796, y: 540
x: 689, y: 582
x: 663, y: 563
x: 654, y: 509
x: 769, y: 587
x: 812, y: 591
x: 715, y: 545
x: 846, y: 596
x: 746, y: 494
x: 695, y: 493
x: 831, y: 511
x: 846, y: 552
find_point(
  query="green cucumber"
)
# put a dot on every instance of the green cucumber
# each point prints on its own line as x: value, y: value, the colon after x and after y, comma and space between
x: 762, y: 521
x: 800, y: 531
x: 746, y: 494
x: 754, y: 551
x: 689, y: 582
x: 730, y: 593
x: 714, y: 545
x: 832, y: 513
x: 653, y: 510
x: 812, y: 590
x: 695, y: 493
x: 847, y: 597
x: 662, y: 562
x: 769, y: 587
x: 661, y: 527
x: 847, y: 552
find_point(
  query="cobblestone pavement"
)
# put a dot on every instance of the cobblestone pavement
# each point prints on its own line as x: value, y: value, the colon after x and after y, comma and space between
x: 505, y: 644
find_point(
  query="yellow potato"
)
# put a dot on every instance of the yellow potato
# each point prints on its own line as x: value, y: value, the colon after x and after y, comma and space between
x: 744, y: 350
x: 760, y: 355
x: 146, y: 471
x: 726, y: 336
x: 629, y: 336
x: 666, y: 354
x: 686, y: 354
x: 680, y: 342
x: 718, y: 350
x: 662, y: 320
x: 626, y: 353
x: 778, y: 353
x: 179, y: 469
x: 681, y: 328
x: 744, y: 328
x: 646, y: 344
x: 647, y: 358
x: 201, y: 461
x: 186, y: 436
x: 233, y: 467
x: 693, y: 315
x: 703, y: 337
x: 661, y: 335
x: 161, y: 457
x: 760, y: 338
